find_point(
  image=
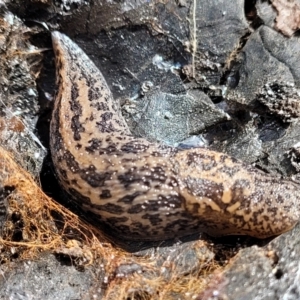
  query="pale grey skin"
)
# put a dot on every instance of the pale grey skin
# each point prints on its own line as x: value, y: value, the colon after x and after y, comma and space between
x: 146, y: 191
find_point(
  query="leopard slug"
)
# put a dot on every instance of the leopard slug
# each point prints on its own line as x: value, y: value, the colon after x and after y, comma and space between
x: 148, y: 191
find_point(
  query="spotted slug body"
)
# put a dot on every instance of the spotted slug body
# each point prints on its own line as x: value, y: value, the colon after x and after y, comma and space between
x: 147, y: 191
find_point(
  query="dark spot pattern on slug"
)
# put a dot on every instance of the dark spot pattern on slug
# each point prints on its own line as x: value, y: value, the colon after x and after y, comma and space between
x: 154, y: 219
x: 78, y: 197
x: 137, y: 226
x: 172, y: 182
x: 230, y: 171
x: 272, y: 210
x: 133, y: 175
x: 255, y: 217
x: 205, y: 188
x: 159, y: 174
x: 106, y: 116
x: 76, y: 108
x: 74, y: 182
x: 94, y: 178
x: 237, y: 190
x: 134, y: 147
x: 74, y: 104
x: 105, y: 194
x: 71, y: 161
x: 280, y: 199
x: 109, y: 150
x: 109, y: 207
x: 89, y: 80
x: 105, y: 127
x: 119, y: 123
x: 92, y: 117
x: 99, y: 106
x: 181, y: 222
x: 94, y: 145
x: 139, y: 208
x: 64, y: 172
x: 129, y: 177
x: 167, y: 201
x: 128, y: 199
x: 194, y: 208
x: 126, y: 160
x: 76, y: 127
x: 94, y: 94
x: 204, y: 161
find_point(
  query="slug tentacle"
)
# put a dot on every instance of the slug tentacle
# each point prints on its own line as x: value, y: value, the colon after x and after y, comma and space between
x: 146, y: 191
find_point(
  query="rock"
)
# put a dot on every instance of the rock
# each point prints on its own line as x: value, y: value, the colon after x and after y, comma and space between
x: 270, y: 272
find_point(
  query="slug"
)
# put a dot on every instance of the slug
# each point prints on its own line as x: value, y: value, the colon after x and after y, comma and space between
x: 148, y: 191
